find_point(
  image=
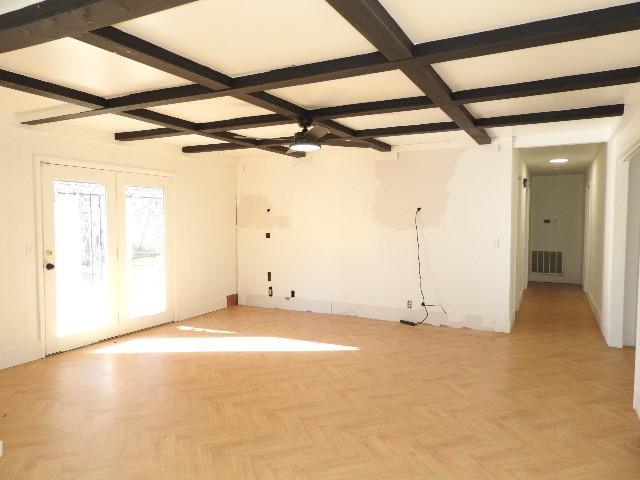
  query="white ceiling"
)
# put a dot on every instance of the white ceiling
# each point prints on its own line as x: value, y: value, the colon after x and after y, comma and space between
x: 211, y: 110
x: 9, y: 5
x: 246, y: 36
x: 365, y: 88
x: 579, y: 156
x: 570, y: 58
x: 426, y: 20
x: 240, y: 37
x: 84, y: 67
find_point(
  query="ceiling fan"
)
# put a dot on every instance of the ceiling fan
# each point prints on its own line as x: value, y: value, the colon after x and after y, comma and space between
x: 311, y: 139
x: 308, y: 139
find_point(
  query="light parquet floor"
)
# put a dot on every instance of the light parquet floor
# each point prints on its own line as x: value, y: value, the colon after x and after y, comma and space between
x: 549, y: 401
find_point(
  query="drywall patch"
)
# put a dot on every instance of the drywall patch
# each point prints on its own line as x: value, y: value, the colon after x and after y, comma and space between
x: 413, y: 179
x: 255, y: 211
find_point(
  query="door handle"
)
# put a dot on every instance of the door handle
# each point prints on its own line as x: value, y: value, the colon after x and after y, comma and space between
x: 49, y: 266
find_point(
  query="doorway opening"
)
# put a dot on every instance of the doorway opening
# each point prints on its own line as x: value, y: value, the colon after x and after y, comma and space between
x: 565, y: 218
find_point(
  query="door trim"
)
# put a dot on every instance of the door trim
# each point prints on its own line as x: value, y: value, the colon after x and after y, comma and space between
x: 38, y: 161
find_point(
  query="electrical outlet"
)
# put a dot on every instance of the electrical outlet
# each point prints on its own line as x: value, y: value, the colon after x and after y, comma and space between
x: 409, y: 304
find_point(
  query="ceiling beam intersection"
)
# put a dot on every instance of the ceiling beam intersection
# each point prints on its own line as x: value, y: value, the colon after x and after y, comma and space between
x: 374, y: 23
x: 137, y: 49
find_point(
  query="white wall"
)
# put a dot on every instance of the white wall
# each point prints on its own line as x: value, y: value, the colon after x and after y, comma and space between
x: 342, y: 233
x: 520, y: 230
x: 624, y: 142
x: 559, y: 199
x: 205, y: 228
x: 632, y: 254
x: 595, y: 184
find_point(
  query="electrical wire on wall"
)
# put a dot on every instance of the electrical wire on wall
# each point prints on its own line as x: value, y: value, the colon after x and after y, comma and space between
x: 424, y: 302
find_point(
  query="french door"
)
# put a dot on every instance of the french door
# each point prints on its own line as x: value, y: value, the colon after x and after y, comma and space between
x: 106, y: 254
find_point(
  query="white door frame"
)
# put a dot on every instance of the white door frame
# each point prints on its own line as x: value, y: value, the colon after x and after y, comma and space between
x: 38, y: 161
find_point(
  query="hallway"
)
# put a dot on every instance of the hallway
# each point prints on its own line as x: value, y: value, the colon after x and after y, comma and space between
x: 232, y: 395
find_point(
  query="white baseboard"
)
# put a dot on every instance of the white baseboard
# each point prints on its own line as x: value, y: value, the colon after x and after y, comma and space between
x: 201, y: 308
x: 374, y: 312
x: 25, y: 354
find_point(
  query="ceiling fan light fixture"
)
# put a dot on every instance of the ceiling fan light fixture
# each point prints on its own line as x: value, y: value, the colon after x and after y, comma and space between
x: 305, y: 146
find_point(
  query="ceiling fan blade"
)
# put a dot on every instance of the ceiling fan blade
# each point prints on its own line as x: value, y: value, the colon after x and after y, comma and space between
x: 316, y: 133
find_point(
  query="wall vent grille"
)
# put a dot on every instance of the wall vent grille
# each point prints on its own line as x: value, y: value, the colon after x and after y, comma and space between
x: 547, y: 263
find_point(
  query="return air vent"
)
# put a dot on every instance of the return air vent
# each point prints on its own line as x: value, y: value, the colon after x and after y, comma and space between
x: 547, y: 263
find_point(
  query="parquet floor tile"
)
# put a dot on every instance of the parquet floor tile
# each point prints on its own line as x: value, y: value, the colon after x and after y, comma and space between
x: 549, y: 401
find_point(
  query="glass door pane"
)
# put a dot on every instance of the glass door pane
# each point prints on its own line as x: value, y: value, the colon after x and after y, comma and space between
x: 146, y: 251
x: 79, y: 213
x: 80, y: 232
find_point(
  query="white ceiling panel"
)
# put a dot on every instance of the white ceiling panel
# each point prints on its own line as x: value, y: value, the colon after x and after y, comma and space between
x: 84, y: 67
x: 557, y: 133
x: 413, y: 117
x: 247, y: 36
x: 579, y: 156
x: 184, y: 140
x: 365, y: 88
x: 270, y: 132
x: 426, y: 20
x: 10, y: 5
x: 557, y: 101
x: 110, y: 123
x: 443, y: 138
x: 570, y: 58
x: 14, y: 101
x: 211, y: 110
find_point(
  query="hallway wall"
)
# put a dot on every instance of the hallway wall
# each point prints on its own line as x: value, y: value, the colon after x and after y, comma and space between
x: 632, y: 254
x: 557, y: 223
x: 595, y: 185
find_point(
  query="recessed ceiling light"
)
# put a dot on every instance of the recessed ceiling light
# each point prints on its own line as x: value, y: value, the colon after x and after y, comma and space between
x: 558, y: 160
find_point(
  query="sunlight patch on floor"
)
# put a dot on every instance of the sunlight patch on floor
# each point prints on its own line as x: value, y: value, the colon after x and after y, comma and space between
x: 186, y: 328
x: 220, y: 344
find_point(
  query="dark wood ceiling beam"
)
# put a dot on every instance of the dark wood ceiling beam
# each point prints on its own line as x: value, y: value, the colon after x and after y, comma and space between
x: 26, y: 84
x: 190, y: 128
x: 168, y: 124
x: 605, y: 111
x: 373, y: 108
x: 544, y: 32
x: 130, y: 46
x: 134, y: 48
x: 595, y: 23
x: 343, y: 111
x: 54, y: 19
x: 139, y: 50
x: 374, y: 23
x: 502, y: 92
x: 552, y: 85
